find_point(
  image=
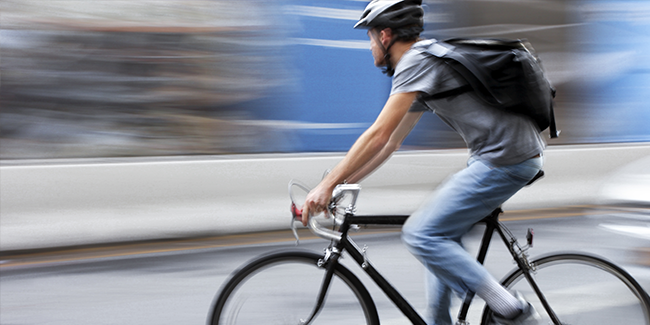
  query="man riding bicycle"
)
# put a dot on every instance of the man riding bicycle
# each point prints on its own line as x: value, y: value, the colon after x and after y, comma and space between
x: 505, y: 154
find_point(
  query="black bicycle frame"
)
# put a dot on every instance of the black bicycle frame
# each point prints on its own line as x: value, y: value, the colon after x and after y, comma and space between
x: 492, y: 225
x: 357, y: 254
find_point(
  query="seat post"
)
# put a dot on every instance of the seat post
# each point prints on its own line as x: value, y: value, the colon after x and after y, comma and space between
x: 491, y: 222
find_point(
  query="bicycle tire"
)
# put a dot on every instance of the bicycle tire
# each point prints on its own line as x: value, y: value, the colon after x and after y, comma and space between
x: 599, y: 293
x: 270, y: 290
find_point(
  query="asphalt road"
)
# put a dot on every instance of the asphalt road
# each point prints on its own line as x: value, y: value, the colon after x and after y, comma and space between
x: 175, y: 281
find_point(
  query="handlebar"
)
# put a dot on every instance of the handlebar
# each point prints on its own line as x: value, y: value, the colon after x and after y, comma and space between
x: 340, y: 191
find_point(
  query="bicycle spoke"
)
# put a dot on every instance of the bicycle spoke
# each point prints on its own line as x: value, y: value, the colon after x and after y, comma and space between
x: 285, y: 291
x: 584, y: 292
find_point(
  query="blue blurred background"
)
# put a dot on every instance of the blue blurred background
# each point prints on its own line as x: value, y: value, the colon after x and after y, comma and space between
x: 175, y: 77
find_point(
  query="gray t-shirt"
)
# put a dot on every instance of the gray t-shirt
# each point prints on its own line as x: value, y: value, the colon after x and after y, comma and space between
x: 491, y: 134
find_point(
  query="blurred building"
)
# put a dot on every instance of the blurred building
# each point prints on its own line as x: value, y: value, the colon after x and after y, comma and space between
x: 113, y: 78
x: 129, y: 78
x: 612, y: 51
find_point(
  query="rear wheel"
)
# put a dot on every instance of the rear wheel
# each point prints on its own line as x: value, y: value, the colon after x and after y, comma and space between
x: 282, y: 288
x: 582, y: 289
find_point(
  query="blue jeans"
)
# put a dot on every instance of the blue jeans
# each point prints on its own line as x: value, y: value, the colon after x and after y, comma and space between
x: 433, y: 233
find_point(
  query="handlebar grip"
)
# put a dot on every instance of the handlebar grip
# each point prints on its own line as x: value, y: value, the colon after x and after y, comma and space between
x: 314, y: 226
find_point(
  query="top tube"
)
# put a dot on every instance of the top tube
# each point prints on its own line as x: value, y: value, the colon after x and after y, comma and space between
x: 343, y: 190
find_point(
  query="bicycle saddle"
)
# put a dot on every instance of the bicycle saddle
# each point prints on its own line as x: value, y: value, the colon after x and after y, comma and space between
x: 539, y: 175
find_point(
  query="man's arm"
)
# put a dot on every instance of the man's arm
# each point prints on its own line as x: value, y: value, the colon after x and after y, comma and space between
x: 367, y: 146
x: 395, y: 142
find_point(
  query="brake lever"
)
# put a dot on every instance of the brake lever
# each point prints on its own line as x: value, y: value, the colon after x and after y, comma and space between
x: 296, y: 216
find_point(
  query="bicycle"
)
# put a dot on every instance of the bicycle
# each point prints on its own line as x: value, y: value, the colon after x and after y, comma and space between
x: 565, y: 288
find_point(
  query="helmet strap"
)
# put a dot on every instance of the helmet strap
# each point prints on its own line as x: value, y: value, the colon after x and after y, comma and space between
x: 388, y: 69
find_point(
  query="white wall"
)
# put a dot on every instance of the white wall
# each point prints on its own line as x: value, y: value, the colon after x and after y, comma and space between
x: 60, y: 203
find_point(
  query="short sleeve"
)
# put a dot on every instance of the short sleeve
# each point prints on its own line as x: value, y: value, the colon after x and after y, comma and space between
x: 419, y: 106
x: 414, y: 73
x: 418, y: 71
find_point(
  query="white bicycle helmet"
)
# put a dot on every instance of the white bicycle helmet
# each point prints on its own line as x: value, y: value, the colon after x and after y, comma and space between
x: 399, y: 15
x: 392, y: 14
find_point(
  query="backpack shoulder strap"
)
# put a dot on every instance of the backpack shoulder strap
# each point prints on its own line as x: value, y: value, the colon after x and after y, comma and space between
x: 471, y: 70
x: 439, y: 49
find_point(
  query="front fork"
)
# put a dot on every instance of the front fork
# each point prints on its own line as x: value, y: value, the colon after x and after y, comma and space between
x: 329, y: 262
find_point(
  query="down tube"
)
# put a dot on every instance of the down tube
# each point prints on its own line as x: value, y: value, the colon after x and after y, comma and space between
x: 385, y: 286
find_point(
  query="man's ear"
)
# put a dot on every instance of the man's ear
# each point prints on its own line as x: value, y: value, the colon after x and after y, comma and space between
x: 386, y: 35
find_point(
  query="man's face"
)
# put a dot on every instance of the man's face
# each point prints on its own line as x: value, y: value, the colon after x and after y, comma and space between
x: 376, y: 47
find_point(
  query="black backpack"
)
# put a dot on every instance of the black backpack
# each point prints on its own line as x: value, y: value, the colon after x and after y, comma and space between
x: 504, y: 73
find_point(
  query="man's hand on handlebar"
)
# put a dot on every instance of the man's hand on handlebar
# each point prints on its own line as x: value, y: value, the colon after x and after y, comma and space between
x: 317, y: 201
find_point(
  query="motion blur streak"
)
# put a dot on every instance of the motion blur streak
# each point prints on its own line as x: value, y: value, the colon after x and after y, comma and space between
x: 112, y: 78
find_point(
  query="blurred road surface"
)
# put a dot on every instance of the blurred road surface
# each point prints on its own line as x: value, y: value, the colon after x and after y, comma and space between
x: 174, y: 281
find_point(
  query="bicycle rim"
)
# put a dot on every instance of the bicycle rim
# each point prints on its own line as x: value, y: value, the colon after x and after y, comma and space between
x: 582, y: 289
x: 282, y: 289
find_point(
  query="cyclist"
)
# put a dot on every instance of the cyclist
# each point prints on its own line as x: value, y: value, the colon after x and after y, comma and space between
x: 505, y: 153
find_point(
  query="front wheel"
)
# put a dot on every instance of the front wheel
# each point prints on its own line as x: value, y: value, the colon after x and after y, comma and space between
x: 582, y: 289
x: 282, y: 288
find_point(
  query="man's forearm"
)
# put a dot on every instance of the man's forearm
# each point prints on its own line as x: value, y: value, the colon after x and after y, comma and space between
x: 369, y: 144
x: 373, y: 140
x: 394, y: 143
x: 365, y: 150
